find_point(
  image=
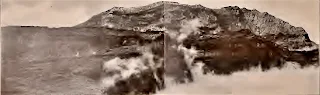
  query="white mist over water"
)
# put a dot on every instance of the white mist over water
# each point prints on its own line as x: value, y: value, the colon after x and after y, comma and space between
x: 286, y: 81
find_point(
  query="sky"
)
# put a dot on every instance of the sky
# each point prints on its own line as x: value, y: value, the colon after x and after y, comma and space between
x: 65, y: 13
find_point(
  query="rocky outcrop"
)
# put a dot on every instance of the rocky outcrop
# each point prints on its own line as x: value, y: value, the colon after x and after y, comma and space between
x: 140, y: 49
x: 265, y: 25
x: 225, y: 40
x: 166, y: 15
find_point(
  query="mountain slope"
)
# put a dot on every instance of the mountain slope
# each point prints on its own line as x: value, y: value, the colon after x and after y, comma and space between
x: 165, y: 15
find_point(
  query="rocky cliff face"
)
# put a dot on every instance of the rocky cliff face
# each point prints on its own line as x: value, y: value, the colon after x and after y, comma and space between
x: 138, y: 50
x: 166, y: 16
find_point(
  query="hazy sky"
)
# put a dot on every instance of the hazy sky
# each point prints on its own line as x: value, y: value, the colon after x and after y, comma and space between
x: 56, y: 13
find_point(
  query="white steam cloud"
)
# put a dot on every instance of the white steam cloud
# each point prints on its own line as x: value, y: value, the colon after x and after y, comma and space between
x: 123, y: 68
x: 187, y: 28
x: 287, y: 81
x: 120, y: 69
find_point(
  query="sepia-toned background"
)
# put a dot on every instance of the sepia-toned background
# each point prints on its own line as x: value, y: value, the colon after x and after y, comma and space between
x: 66, y: 13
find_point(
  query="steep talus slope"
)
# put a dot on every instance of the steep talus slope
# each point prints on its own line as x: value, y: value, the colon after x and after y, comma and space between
x: 137, y: 50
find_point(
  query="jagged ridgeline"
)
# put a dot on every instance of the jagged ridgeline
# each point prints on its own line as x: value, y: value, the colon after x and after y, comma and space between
x: 138, y: 50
